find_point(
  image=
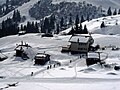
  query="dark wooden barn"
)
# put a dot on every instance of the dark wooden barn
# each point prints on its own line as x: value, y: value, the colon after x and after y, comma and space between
x: 41, y: 58
x: 93, y: 58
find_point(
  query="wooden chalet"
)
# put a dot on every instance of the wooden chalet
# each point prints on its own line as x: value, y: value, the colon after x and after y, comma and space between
x: 79, y: 43
x: 41, y: 58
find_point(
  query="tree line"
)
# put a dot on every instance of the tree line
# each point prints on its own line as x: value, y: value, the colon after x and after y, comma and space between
x: 10, y: 26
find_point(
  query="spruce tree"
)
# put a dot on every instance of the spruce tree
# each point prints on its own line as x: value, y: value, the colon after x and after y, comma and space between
x: 36, y: 27
x: 88, y: 18
x: 76, y: 23
x: 21, y: 28
x: 109, y: 12
x: 1, y: 11
x: 85, y: 31
x: 52, y: 22
x: 82, y: 19
x: 115, y: 12
x: 70, y: 19
x: 62, y: 22
x: 28, y: 28
x: 46, y: 26
x: 18, y: 16
x: 58, y: 29
x: 14, y: 16
x: 119, y: 11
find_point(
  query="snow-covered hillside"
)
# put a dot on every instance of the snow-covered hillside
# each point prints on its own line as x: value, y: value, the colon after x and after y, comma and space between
x: 112, y: 24
x: 73, y: 74
x: 104, y: 3
x: 24, y: 10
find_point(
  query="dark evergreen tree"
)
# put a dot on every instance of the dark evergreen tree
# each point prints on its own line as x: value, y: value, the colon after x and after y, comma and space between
x: 57, y: 29
x: 70, y: 19
x: 52, y: 22
x: 22, y: 28
x: 85, y: 30
x: 25, y: 28
x: 3, y: 31
x: 119, y: 11
x: 36, y: 28
x: 102, y: 25
x: 46, y: 26
x: 76, y: 23
x: 109, y: 12
x: 14, y: 16
x: 28, y: 27
x: 62, y: 22
x: 1, y: 11
x: 115, y: 12
x: 82, y: 19
x: 18, y: 16
x: 88, y: 18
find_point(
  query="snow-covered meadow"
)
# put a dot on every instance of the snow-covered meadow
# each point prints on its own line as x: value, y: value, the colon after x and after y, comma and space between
x: 69, y: 76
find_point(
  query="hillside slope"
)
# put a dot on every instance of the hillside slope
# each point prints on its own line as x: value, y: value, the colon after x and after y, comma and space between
x: 104, y: 3
x: 112, y: 24
x: 24, y: 10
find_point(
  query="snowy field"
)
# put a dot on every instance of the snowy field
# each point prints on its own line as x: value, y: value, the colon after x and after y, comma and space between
x: 70, y: 76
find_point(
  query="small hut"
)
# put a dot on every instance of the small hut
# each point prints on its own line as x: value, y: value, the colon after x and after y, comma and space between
x: 93, y: 58
x: 41, y: 58
x: 21, y: 50
x: 21, y: 32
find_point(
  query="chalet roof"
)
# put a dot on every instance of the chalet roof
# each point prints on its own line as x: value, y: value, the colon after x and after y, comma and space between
x: 93, y: 55
x: 81, y: 38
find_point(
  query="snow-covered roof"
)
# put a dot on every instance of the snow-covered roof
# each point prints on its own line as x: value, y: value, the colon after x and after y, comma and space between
x: 41, y: 55
x: 21, y: 47
x: 93, y: 55
x: 80, y: 38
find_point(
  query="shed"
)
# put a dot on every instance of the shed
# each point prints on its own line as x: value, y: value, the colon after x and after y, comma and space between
x: 41, y: 58
x: 93, y: 58
x: 21, y: 50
